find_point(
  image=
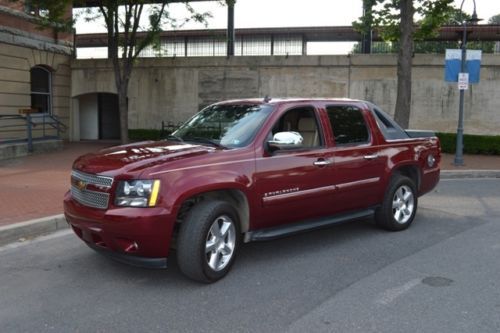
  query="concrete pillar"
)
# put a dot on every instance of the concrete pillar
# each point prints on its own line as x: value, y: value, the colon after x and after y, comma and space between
x: 74, y: 120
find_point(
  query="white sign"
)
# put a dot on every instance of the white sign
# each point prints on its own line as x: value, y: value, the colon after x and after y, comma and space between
x: 463, y: 81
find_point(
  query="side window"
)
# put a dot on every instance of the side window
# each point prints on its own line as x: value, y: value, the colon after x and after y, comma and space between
x: 303, y: 121
x: 348, y: 125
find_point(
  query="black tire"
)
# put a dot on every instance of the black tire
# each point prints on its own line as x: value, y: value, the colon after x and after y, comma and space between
x: 397, y: 214
x: 195, y: 235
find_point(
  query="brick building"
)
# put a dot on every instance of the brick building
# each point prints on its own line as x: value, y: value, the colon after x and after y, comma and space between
x: 34, y: 66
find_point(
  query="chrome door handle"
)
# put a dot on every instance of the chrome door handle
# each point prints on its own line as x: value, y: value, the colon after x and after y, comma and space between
x: 322, y: 162
x: 371, y: 157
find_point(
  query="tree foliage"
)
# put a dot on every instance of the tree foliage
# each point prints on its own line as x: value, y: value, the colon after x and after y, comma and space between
x: 494, y: 19
x: 395, y: 21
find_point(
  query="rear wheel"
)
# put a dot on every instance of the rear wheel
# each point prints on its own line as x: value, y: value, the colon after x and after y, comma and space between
x: 399, y: 206
x: 208, y: 241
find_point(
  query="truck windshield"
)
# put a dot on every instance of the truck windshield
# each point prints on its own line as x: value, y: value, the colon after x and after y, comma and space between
x: 230, y: 126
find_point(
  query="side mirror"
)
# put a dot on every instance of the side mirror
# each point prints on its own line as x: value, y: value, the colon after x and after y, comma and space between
x: 285, y: 140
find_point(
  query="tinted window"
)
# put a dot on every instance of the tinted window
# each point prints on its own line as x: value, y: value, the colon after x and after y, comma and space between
x: 348, y: 125
x: 303, y: 121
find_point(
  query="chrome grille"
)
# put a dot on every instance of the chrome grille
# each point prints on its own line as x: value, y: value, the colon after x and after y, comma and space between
x: 90, y: 198
x: 92, y: 179
x: 87, y: 197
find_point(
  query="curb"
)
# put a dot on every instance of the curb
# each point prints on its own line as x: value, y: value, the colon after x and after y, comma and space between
x: 33, y: 228
x: 468, y: 174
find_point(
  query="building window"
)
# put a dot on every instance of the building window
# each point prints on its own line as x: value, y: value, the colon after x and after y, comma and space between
x: 41, y: 89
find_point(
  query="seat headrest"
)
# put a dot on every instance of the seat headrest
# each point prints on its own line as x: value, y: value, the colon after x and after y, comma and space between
x: 306, y: 124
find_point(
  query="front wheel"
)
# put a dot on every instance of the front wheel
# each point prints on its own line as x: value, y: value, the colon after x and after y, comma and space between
x: 208, y: 241
x: 399, y: 206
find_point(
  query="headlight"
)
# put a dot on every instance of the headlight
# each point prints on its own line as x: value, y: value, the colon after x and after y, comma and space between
x: 137, y: 193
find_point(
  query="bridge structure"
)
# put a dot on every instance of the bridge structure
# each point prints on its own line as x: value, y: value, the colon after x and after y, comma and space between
x: 267, y: 41
x: 275, y: 41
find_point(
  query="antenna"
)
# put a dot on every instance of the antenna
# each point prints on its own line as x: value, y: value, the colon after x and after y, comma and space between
x: 267, y: 99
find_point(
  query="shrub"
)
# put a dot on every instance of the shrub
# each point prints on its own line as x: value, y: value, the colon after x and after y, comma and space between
x: 144, y: 134
x: 473, y: 144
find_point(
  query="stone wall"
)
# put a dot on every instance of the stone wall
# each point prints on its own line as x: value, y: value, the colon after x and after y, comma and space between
x: 172, y: 89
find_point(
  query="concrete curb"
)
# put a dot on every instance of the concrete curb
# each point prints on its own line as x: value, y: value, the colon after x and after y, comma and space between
x: 33, y: 228
x: 463, y: 174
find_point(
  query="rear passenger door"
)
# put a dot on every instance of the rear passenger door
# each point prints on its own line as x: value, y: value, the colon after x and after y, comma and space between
x: 357, y: 165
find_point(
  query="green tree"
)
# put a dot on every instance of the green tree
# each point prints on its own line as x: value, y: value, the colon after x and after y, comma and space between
x: 395, y: 21
x: 131, y: 27
x: 494, y: 19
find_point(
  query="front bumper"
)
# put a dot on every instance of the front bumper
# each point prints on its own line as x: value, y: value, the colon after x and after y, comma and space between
x: 137, y: 236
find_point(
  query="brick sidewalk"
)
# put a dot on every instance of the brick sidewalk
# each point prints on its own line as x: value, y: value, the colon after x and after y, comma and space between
x: 33, y: 187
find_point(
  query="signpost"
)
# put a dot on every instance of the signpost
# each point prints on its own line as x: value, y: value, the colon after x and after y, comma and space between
x: 462, y: 66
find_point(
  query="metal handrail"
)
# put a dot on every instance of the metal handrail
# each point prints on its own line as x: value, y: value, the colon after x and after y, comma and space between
x: 30, y: 122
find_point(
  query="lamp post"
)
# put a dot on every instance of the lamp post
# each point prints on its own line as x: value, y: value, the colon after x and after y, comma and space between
x: 459, y: 153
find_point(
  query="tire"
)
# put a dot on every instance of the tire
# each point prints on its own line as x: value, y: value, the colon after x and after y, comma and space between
x: 399, y: 206
x: 208, y: 240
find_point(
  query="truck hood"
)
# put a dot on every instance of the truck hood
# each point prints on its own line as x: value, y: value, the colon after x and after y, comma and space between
x: 137, y: 157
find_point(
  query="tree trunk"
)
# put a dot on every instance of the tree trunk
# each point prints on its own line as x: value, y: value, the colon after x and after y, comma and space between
x: 123, y: 108
x: 405, y: 60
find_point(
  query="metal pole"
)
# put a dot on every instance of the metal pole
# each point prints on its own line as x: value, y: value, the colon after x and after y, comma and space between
x: 230, y: 28
x: 30, y: 137
x: 459, y: 152
x: 459, y: 156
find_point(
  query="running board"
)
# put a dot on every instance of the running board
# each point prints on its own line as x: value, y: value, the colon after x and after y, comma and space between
x: 295, y: 228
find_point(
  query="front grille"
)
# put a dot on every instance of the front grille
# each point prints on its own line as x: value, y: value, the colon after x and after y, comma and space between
x: 92, y: 179
x: 87, y: 197
x: 90, y: 198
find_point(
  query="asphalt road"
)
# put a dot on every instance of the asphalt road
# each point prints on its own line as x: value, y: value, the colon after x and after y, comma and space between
x: 441, y: 275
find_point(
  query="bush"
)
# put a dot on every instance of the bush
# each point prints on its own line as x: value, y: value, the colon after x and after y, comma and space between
x: 145, y: 134
x: 473, y: 144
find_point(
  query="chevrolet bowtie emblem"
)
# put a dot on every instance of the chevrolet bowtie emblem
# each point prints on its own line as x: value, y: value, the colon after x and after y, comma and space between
x: 80, y: 185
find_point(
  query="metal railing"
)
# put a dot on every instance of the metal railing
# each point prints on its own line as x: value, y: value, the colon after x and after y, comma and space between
x: 28, y: 127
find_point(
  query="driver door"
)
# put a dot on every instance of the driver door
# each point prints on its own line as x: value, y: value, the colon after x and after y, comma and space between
x: 293, y: 184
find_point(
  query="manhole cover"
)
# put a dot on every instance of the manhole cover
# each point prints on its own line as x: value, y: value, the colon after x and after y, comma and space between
x: 437, y: 281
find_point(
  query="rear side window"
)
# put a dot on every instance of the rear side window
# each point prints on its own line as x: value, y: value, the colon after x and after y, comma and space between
x: 348, y: 125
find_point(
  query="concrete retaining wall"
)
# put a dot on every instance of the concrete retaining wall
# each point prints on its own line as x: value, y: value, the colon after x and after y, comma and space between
x: 172, y: 89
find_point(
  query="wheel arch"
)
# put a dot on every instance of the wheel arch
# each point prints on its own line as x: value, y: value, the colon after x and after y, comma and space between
x: 236, y: 197
x: 411, y: 171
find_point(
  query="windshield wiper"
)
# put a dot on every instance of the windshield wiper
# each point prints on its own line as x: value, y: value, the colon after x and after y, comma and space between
x: 204, y: 140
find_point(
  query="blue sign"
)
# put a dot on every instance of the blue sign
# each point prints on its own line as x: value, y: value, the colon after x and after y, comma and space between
x: 453, y: 64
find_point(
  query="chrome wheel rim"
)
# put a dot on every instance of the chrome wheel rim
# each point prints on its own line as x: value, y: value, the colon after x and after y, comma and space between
x: 220, y: 243
x: 403, y: 204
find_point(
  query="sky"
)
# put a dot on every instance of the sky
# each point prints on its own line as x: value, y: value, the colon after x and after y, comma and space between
x: 292, y: 13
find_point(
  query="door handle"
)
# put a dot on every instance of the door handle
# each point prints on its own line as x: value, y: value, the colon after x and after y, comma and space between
x: 371, y: 157
x: 322, y: 162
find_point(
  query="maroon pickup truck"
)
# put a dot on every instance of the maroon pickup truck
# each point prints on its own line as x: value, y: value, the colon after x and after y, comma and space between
x: 249, y: 170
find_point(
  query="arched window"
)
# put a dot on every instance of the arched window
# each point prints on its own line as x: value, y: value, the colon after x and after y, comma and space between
x: 41, y: 89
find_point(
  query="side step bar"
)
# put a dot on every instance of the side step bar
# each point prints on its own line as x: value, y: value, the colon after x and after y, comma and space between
x: 295, y: 228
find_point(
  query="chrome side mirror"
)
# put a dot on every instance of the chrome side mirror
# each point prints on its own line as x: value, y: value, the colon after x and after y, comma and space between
x: 286, y: 140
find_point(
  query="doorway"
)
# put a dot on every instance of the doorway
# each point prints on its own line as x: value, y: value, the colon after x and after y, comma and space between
x: 99, y: 117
